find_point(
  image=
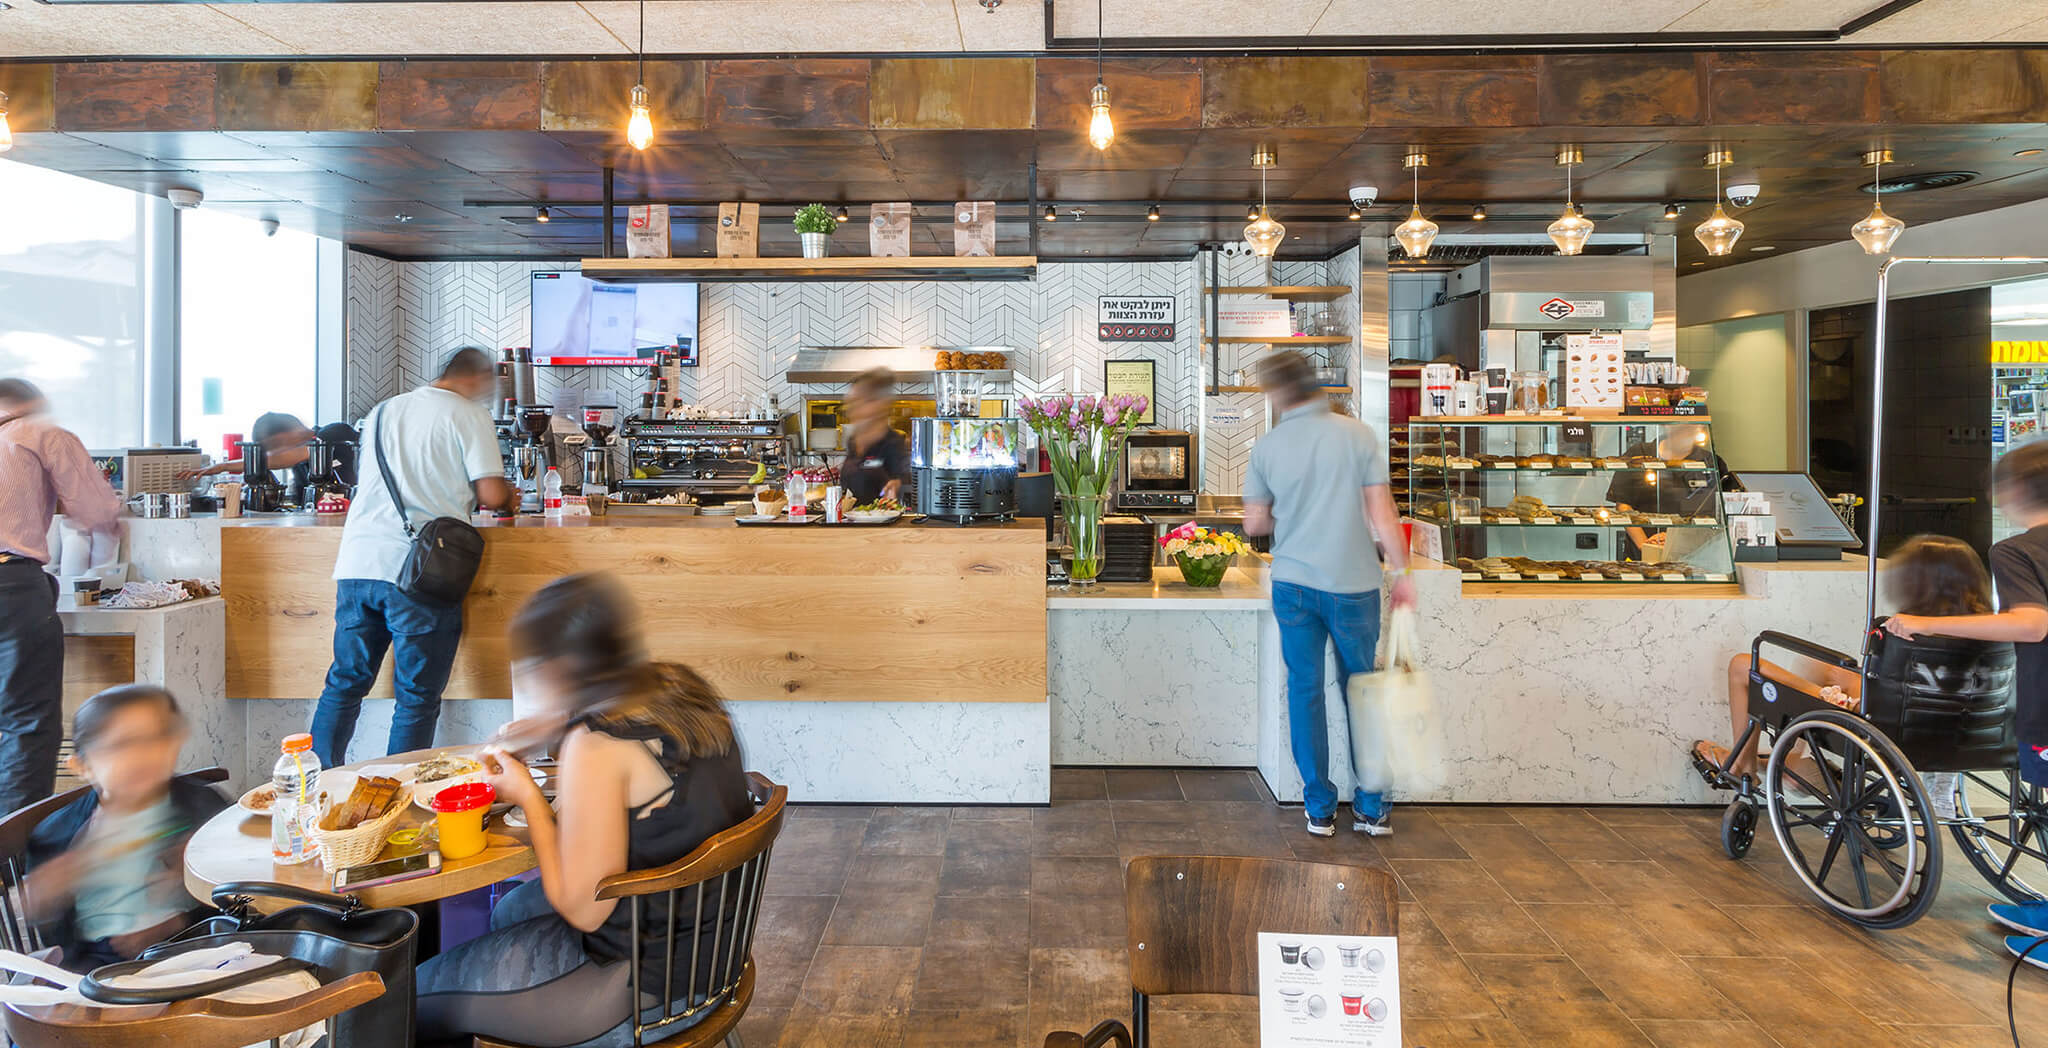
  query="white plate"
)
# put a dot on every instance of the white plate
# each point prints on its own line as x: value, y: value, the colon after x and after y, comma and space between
x: 873, y: 516
x: 248, y: 800
x: 759, y: 518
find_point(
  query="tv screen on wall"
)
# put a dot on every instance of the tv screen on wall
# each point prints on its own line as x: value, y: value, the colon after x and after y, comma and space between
x: 579, y: 322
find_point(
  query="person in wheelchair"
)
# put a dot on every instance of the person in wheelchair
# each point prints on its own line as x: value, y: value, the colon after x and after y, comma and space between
x: 2019, y: 485
x: 1928, y: 576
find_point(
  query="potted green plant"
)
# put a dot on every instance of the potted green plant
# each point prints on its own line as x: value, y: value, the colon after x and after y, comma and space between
x: 814, y: 226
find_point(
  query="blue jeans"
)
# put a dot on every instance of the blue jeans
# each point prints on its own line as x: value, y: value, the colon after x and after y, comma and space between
x: 1310, y: 621
x: 31, y: 684
x: 370, y: 617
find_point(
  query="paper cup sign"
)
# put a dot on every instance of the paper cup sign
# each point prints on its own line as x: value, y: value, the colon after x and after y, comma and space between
x: 1320, y: 991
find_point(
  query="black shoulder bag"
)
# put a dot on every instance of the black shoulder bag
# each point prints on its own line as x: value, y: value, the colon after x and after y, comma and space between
x: 445, y: 553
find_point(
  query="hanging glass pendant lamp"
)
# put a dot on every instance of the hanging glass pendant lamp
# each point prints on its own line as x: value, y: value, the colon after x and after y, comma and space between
x: 1719, y: 232
x: 1572, y: 229
x: 1101, y: 131
x: 640, y: 125
x: 1263, y: 234
x: 1418, y: 233
x: 1878, y: 231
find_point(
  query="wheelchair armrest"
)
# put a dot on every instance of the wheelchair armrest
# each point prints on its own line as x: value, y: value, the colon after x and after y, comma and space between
x: 1798, y: 646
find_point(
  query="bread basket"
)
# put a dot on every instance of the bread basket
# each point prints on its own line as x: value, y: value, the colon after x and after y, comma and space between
x: 339, y: 848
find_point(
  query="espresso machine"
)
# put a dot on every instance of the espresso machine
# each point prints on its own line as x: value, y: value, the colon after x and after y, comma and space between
x: 261, y: 491
x: 710, y: 458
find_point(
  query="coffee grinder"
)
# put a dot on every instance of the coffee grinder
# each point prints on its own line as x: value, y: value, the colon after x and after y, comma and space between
x: 530, y: 460
x: 599, y: 475
x: 261, y: 493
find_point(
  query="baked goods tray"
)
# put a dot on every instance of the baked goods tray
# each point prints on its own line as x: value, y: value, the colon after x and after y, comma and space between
x: 820, y: 522
x: 642, y: 509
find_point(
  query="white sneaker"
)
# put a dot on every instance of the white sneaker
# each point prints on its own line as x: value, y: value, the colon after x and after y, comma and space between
x: 1942, y: 787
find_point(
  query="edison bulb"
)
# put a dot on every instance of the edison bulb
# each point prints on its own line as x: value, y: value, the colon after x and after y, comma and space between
x: 640, y: 129
x: 1101, y: 132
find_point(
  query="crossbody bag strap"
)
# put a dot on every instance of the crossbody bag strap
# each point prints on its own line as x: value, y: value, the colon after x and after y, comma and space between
x: 384, y: 467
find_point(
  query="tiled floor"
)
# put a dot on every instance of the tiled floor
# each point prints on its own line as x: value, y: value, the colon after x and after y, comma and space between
x: 1519, y: 926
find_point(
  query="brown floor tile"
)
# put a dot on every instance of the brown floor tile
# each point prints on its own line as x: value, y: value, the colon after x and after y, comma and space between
x: 1574, y: 834
x: 1691, y: 927
x: 1797, y: 1011
x: 1196, y: 812
x: 1859, y: 967
x: 1529, y: 870
x: 1947, y: 1036
x: 1490, y: 928
x: 1449, y: 882
x: 801, y: 812
x: 967, y: 976
x: 1465, y: 814
x: 1219, y: 786
x: 1585, y: 1024
x: 1140, y: 784
x: 980, y: 870
x: 1072, y: 876
x: 1633, y: 880
x: 886, y: 874
x: 1703, y: 1033
x: 1460, y: 1033
x: 995, y: 813
x: 1416, y: 929
x: 785, y: 940
x: 1079, y: 784
x: 1417, y: 835
x: 1085, y: 922
x: 1631, y: 815
x: 1531, y: 984
x: 1355, y: 849
x: 1000, y: 925
x: 895, y: 919
x: 860, y: 980
x: 1085, y: 831
x: 1180, y: 836
x: 907, y: 831
x: 991, y: 834
x: 1256, y: 840
x: 808, y: 1029
x: 1436, y: 984
x: 762, y: 1026
x: 967, y: 1028
x: 1074, y: 990
x: 1642, y: 978
x: 811, y: 856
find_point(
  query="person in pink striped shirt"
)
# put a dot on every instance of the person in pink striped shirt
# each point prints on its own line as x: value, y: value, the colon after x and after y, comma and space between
x: 43, y: 468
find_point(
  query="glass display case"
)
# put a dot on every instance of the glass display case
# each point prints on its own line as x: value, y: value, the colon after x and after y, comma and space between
x: 966, y: 443
x: 1551, y: 499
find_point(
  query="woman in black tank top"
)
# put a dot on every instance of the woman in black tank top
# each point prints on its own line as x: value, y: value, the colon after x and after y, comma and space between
x: 649, y: 769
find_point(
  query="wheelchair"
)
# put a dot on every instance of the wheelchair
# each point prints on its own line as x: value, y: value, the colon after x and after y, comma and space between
x: 1842, y: 787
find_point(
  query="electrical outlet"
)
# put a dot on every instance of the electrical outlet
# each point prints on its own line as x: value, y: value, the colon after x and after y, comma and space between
x: 1588, y: 540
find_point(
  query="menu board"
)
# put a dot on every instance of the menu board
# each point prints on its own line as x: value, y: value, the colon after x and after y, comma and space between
x: 1329, y: 991
x: 1593, y: 374
x: 1133, y: 378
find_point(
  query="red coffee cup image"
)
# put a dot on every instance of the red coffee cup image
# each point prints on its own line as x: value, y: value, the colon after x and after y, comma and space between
x: 1354, y: 1004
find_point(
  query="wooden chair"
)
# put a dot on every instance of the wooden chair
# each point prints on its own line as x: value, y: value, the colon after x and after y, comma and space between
x: 738, y: 860
x: 204, y: 1023
x: 1195, y: 920
x: 17, y: 933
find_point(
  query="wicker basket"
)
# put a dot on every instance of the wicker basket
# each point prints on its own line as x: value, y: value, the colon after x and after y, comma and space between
x: 339, y: 848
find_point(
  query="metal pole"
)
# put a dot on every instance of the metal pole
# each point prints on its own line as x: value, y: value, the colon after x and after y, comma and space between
x: 609, y: 215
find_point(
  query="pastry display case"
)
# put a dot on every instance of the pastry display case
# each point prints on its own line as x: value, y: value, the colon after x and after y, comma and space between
x: 1558, y: 499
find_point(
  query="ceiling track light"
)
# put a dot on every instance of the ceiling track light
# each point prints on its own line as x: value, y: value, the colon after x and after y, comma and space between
x: 6, y: 133
x: 1152, y: 213
x: 1417, y: 233
x: 1101, y: 130
x: 1050, y: 214
x: 540, y: 214
x: 1354, y: 214
x: 1719, y: 232
x: 1262, y: 233
x: 842, y: 216
x: 1672, y: 211
x: 1572, y: 229
x: 1878, y: 231
x: 1479, y: 212
x: 640, y: 125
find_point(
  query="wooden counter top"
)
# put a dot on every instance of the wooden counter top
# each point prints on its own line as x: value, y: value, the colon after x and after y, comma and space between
x: 902, y: 613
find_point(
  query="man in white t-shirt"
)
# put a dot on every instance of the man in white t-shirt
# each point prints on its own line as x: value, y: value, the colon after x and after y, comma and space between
x: 443, y: 451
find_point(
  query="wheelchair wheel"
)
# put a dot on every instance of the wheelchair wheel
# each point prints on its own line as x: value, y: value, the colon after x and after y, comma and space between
x: 2002, y: 827
x: 1862, y: 837
x: 1738, y: 828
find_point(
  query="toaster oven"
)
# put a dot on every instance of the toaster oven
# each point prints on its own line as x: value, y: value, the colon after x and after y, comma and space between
x: 1157, y: 472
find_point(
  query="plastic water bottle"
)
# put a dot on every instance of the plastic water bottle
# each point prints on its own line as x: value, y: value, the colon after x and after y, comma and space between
x: 292, y: 814
x: 551, y: 494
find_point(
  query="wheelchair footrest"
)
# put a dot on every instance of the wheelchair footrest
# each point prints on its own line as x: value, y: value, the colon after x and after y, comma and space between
x: 1714, y: 776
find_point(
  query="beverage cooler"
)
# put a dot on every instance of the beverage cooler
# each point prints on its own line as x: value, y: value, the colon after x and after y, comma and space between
x: 966, y: 468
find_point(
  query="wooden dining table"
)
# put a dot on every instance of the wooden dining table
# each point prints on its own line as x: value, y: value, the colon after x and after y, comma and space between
x: 235, y: 846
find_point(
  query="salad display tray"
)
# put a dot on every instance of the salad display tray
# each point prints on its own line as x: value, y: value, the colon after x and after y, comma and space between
x: 819, y: 522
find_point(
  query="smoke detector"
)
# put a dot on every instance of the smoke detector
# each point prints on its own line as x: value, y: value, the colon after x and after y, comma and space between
x: 184, y: 199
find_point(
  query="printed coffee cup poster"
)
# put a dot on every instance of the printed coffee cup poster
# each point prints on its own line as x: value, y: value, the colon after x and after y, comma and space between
x: 1329, y: 991
x: 1132, y: 318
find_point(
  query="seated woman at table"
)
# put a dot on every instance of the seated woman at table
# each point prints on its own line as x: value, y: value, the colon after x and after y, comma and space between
x: 106, y: 871
x: 648, y: 770
x: 1926, y: 575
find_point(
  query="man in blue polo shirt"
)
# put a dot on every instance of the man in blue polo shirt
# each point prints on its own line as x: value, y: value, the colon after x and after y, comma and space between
x: 1318, y: 484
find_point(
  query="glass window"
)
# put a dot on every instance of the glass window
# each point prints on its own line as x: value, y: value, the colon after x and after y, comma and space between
x: 71, y: 299
x: 246, y: 326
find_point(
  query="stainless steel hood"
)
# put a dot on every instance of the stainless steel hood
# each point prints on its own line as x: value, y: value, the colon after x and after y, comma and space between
x: 1584, y: 293
x: 912, y: 364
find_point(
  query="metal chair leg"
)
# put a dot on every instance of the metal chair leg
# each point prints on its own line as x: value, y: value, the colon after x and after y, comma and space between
x: 1141, y: 1020
x: 732, y: 1040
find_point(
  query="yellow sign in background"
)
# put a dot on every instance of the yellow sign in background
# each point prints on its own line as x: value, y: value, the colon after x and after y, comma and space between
x: 2020, y: 353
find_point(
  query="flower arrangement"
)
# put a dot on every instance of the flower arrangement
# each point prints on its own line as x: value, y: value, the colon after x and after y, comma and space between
x: 1083, y: 437
x: 1203, y: 554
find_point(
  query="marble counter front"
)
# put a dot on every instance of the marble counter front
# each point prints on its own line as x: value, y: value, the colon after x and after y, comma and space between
x: 180, y: 646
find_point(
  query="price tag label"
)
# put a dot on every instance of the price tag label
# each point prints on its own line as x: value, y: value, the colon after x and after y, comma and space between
x: 1500, y: 465
x: 1461, y: 465
x: 1662, y: 520
x: 1652, y: 465
x: 1584, y: 520
x: 1717, y: 577
x: 1545, y: 576
x: 1470, y: 520
x: 1705, y: 521
x: 1508, y: 576
x: 1471, y: 576
x: 1578, y: 464
x: 1542, y: 520
x: 1672, y: 577
x: 1630, y: 576
x: 1613, y: 463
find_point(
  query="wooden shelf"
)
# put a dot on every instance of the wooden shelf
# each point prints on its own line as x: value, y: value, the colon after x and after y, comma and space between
x: 1296, y: 293
x: 851, y: 267
x: 1286, y: 340
x: 1212, y: 390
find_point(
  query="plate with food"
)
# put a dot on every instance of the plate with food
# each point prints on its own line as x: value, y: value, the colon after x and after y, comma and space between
x: 260, y: 800
x: 876, y: 512
x: 441, y: 771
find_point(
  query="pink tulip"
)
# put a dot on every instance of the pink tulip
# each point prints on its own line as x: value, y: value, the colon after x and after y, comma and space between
x: 1110, y: 417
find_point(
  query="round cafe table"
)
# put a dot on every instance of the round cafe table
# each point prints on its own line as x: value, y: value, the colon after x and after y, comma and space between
x: 235, y: 846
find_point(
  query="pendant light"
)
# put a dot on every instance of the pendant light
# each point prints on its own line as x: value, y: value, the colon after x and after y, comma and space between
x: 1571, y: 229
x: 1878, y: 231
x: 1416, y: 234
x: 1262, y: 233
x: 6, y: 133
x: 1718, y: 233
x: 1101, y: 132
x: 640, y: 126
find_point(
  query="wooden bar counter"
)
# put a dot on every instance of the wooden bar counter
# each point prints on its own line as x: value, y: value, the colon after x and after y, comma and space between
x: 908, y: 612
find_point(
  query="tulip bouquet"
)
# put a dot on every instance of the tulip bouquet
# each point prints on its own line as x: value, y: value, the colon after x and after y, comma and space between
x: 1203, y: 554
x: 1083, y: 436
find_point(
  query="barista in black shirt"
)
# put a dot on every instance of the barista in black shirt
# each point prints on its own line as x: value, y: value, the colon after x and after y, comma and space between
x: 877, y: 457
x: 285, y: 439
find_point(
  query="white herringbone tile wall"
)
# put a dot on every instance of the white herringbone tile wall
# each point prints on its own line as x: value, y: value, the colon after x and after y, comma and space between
x: 402, y: 317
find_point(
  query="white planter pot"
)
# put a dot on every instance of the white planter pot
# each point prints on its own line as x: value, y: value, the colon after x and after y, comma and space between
x: 816, y: 245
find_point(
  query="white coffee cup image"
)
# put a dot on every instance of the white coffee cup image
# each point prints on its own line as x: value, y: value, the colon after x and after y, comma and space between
x: 1375, y: 960
x: 1312, y: 958
x: 1348, y: 953
x: 1376, y: 1009
x: 1291, y: 1000
x: 1317, y: 1007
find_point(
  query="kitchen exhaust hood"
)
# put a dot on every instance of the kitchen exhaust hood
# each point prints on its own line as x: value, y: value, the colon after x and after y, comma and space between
x: 912, y: 364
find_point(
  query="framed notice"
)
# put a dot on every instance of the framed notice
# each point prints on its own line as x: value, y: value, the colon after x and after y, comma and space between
x: 1134, y: 318
x: 1138, y: 377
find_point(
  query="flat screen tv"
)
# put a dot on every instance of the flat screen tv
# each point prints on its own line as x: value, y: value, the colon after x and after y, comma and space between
x: 579, y: 322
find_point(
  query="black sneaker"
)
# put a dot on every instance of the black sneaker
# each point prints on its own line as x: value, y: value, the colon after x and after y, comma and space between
x: 1381, y: 825
x: 1323, y: 827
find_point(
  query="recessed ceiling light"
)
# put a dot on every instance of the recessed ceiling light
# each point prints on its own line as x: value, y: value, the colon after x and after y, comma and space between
x: 1760, y: 248
x: 2017, y: 152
